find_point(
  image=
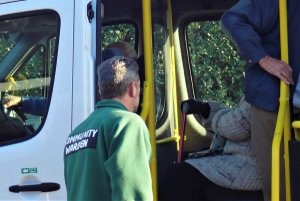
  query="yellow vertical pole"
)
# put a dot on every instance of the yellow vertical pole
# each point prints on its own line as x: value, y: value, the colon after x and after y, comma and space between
x: 283, y: 124
x: 150, y: 121
x: 287, y: 136
x: 173, y: 70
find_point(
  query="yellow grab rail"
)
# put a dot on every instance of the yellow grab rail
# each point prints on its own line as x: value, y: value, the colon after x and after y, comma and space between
x: 283, y: 124
x: 150, y: 119
x: 296, y: 126
x: 173, y: 71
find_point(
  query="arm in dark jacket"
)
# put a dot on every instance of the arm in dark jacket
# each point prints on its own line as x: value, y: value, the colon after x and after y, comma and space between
x: 246, y: 22
x: 34, y: 105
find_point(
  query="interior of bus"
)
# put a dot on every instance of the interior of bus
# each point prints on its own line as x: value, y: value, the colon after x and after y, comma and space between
x: 182, y: 52
x: 191, y: 58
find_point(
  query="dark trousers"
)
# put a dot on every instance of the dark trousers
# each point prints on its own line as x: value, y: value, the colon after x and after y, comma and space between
x: 186, y: 183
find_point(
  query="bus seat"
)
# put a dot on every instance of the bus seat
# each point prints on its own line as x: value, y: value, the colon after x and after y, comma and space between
x: 217, y: 194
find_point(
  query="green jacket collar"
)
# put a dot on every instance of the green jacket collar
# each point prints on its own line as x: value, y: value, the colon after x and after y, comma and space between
x: 110, y: 103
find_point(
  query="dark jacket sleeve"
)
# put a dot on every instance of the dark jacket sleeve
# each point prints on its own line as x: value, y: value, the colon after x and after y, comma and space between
x: 34, y: 105
x: 246, y: 22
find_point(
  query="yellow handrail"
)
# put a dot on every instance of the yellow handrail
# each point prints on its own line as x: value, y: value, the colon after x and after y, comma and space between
x: 283, y: 124
x: 287, y: 137
x: 168, y: 139
x: 173, y: 71
x: 150, y: 119
x: 296, y: 126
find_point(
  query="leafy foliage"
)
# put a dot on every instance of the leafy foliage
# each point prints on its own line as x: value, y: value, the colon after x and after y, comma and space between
x: 119, y: 32
x: 216, y: 67
x: 33, y: 68
x: 5, y: 45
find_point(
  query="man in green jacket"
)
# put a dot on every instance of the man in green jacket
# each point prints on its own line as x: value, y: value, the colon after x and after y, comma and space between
x: 107, y: 156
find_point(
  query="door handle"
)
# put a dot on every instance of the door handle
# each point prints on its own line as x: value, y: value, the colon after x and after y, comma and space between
x: 43, y: 187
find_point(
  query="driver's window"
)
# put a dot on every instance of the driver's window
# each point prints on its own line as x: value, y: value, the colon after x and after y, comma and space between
x: 27, y: 46
x: 35, y: 81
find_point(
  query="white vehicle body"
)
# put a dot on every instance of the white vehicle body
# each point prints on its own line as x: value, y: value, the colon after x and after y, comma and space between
x: 50, y: 49
x: 39, y: 159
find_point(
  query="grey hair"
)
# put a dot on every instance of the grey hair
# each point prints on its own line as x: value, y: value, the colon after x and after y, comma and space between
x: 115, y: 75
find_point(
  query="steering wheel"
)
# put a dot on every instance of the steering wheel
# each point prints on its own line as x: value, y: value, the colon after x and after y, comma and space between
x: 2, y: 108
x: 11, y: 127
x: 12, y: 108
x: 18, y: 111
x: 22, y: 116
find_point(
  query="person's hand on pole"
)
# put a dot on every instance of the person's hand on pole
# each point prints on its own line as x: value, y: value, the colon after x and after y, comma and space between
x: 277, y: 68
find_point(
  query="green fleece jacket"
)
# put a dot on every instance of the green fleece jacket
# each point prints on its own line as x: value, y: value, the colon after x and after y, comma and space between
x: 107, y: 156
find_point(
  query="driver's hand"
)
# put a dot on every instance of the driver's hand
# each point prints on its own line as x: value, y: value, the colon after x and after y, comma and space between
x: 9, y: 101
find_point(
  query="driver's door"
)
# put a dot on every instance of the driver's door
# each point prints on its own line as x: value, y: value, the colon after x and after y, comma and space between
x: 36, y: 51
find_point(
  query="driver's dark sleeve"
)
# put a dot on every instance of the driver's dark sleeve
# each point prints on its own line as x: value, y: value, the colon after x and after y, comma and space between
x: 34, y: 105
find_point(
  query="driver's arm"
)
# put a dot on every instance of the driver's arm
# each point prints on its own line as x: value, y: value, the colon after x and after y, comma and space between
x: 32, y: 105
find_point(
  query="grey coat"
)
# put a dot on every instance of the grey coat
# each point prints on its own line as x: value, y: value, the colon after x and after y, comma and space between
x: 236, y: 168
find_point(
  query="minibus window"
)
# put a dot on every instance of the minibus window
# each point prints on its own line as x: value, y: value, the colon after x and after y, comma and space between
x: 216, y: 68
x: 27, y: 52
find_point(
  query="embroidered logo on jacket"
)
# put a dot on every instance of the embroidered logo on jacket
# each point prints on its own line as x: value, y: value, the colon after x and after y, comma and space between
x: 87, y: 139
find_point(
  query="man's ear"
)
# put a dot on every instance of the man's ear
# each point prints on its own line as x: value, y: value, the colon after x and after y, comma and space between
x: 99, y: 94
x: 132, y: 89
